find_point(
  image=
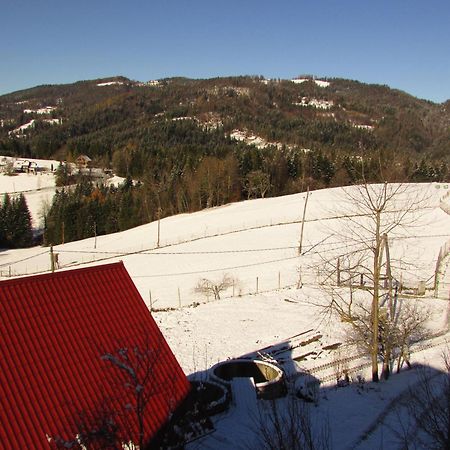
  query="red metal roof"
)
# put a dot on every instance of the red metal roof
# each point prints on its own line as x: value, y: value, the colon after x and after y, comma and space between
x: 54, y: 330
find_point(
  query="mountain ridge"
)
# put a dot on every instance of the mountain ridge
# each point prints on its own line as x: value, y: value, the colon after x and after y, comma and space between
x: 285, y: 134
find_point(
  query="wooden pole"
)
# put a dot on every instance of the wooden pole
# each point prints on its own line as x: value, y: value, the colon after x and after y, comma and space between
x: 299, y: 282
x: 95, y: 234
x: 303, y: 223
x: 279, y: 280
x: 150, y: 297
x: 179, y: 299
x: 338, y: 270
x: 257, y: 285
x: 159, y: 227
x: 52, y: 259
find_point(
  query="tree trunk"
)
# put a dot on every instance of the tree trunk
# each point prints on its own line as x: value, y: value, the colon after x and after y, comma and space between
x: 375, y: 299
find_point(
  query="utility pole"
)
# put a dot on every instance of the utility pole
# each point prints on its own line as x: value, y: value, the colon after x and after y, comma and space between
x: 95, y: 234
x: 303, y: 222
x: 159, y: 227
x: 52, y: 259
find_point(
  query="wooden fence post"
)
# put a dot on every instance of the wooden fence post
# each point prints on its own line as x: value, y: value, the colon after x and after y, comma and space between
x: 338, y: 270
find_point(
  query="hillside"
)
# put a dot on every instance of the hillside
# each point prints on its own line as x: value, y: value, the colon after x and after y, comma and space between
x: 100, y: 117
x: 257, y: 243
x: 195, y: 144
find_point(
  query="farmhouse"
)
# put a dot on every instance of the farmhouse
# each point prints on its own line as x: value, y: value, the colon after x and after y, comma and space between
x: 79, y: 349
x: 25, y: 165
x: 83, y: 161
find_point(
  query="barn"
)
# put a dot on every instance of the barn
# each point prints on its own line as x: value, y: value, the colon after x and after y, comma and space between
x: 82, y: 358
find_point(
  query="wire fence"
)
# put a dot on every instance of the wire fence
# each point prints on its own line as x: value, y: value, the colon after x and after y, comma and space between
x: 441, y: 270
x: 445, y: 203
x: 440, y: 274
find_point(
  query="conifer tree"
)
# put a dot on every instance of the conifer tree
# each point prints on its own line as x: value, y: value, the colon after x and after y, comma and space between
x: 4, y: 212
x: 15, y: 223
x: 21, y: 225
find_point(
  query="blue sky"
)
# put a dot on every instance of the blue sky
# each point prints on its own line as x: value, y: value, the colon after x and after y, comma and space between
x: 402, y: 43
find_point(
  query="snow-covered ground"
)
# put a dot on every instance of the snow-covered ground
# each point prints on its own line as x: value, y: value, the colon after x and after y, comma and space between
x: 37, y: 188
x: 320, y: 83
x: 275, y: 293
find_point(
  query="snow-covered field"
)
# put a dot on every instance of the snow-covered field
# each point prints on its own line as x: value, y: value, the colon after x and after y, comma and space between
x: 275, y: 293
x: 38, y: 188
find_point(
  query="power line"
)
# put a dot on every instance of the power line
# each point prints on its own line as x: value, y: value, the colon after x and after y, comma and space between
x: 216, y: 270
x: 202, y: 252
x: 23, y: 259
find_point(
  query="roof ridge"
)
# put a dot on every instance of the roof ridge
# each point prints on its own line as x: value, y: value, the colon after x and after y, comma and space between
x: 61, y: 273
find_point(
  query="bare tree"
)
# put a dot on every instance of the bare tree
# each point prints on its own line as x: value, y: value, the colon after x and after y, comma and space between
x: 257, y: 184
x: 97, y: 429
x: 368, y: 215
x: 286, y: 424
x: 398, y: 330
x: 208, y: 287
x: 428, y: 405
x: 119, y: 422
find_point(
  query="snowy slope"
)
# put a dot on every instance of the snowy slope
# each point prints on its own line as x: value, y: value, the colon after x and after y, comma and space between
x: 257, y: 243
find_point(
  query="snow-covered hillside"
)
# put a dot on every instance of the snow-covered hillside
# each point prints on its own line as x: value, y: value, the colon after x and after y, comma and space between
x: 276, y: 290
x: 255, y: 242
x: 38, y: 189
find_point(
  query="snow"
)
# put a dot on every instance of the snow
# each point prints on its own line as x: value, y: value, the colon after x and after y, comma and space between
x: 23, y: 127
x: 38, y: 188
x: 320, y: 83
x: 257, y: 242
x: 364, y: 127
x: 110, y: 83
x: 31, y: 124
x: 252, y: 139
x: 44, y: 110
x: 315, y: 103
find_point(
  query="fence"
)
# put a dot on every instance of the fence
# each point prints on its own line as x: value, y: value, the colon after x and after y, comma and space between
x: 445, y: 203
x: 441, y: 266
x: 444, y: 250
x: 173, y: 296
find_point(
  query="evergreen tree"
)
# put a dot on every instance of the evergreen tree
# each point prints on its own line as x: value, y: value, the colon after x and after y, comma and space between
x: 22, y: 232
x: 15, y: 223
x: 4, y: 220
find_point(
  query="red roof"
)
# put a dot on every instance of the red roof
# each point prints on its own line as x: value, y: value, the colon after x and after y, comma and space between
x: 69, y: 343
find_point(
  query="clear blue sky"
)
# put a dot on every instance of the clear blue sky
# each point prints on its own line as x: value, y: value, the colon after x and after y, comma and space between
x: 402, y: 43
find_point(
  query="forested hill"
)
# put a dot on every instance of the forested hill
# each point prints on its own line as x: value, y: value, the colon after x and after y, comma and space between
x: 198, y: 143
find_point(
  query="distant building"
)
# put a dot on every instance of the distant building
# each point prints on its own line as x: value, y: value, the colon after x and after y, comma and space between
x: 65, y: 340
x: 83, y: 161
x: 25, y: 165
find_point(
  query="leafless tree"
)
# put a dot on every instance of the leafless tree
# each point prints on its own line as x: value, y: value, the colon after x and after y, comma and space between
x: 368, y: 214
x: 208, y: 287
x: 428, y: 405
x: 119, y: 423
x: 97, y: 429
x: 398, y: 330
x: 286, y: 424
x: 257, y: 184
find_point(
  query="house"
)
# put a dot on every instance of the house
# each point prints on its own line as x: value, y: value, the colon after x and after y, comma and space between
x: 83, y: 161
x: 72, y: 343
x: 25, y: 165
